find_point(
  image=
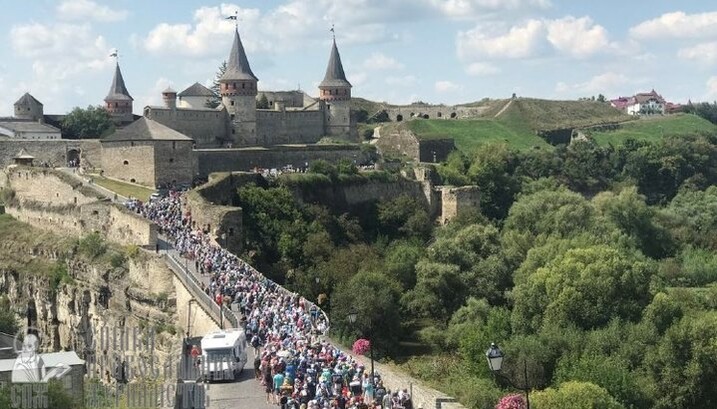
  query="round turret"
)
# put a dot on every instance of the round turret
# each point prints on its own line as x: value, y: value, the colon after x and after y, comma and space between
x: 170, y: 98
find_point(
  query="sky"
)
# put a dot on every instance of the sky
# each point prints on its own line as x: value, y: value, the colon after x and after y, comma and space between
x: 399, y: 51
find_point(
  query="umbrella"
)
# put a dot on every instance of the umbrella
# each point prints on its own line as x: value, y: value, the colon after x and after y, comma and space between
x: 283, y: 353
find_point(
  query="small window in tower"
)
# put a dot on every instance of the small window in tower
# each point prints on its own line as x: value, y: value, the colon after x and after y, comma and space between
x: 131, y: 144
x: 116, y: 105
x: 234, y: 131
x: 232, y: 117
x: 171, y: 160
x: 125, y: 162
x: 28, y: 108
x: 234, y: 85
x: 243, y: 84
x: 174, y: 145
x: 231, y: 103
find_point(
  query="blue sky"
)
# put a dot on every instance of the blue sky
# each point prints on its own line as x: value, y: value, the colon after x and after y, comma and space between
x: 400, y: 51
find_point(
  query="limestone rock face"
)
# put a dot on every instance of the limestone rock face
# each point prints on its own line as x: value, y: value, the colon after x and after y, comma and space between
x: 102, y: 313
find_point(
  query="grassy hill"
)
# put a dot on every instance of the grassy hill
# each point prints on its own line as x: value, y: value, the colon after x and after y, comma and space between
x: 655, y: 128
x: 470, y: 134
x: 541, y: 115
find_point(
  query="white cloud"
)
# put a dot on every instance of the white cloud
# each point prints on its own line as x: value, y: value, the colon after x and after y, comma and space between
x: 481, y: 69
x: 381, y: 62
x: 608, y: 83
x: 705, y: 53
x: 521, y: 41
x: 470, y: 8
x: 356, y: 78
x: 578, y: 37
x: 445, y: 86
x: 61, y: 50
x: 677, y: 25
x: 82, y: 10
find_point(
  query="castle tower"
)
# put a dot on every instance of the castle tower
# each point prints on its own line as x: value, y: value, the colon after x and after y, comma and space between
x: 118, y: 102
x: 335, y: 92
x: 27, y: 107
x: 169, y: 96
x: 238, y: 90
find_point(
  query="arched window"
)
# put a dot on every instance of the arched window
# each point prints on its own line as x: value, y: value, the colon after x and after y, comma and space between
x: 125, y: 162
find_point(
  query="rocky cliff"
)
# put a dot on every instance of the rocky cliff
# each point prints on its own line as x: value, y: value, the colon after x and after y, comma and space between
x: 111, y: 305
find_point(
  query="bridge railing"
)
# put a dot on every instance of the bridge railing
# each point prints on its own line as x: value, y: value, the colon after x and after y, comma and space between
x: 191, y: 283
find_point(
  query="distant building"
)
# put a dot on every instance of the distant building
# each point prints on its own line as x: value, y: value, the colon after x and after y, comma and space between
x: 148, y: 153
x: 73, y: 381
x: 646, y: 103
x: 28, y: 122
x: 195, y: 96
x: 118, y: 101
x: 292, y: 117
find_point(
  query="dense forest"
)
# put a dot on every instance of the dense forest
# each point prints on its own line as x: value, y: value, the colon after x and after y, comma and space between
x: 592, y: 267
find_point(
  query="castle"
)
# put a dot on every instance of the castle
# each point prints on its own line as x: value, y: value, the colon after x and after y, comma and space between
x: 236, y: 121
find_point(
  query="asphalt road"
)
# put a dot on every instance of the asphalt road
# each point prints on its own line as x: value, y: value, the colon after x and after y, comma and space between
x: 244, y: 393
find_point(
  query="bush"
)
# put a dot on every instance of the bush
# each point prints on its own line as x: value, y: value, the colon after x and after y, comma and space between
x: 59, y: 275
x: 92, y: 245
x: 8, y: 321
x: 118, y: 260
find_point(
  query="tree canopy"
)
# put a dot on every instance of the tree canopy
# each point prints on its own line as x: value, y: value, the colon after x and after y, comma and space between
x: 89, y: 123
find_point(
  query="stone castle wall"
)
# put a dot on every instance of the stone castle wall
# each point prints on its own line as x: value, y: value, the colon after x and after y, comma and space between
x: 129, y: 161
x: 51, y: 200
x: 457, y: 200
x: 435, y: 150
x: 404, y: 113
x: 276, y: 127
x: 53, y: 152
x: 208, y: 128
x: 401, y: 142
x: 245, y: 159
x: 174, y: 162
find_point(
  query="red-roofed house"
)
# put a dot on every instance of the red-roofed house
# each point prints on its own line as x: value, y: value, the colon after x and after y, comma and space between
x: 645, y: 103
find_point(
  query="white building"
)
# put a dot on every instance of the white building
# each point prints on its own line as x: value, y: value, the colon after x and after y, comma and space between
x: 22, y: 129
x: 195, y: 96
x: 648, y: 103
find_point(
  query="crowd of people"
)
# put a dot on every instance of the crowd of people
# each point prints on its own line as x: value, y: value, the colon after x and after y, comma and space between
x: 297, y: 369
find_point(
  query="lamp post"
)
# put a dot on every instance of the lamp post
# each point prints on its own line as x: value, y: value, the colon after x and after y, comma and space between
x: 353, y: 315
x: 495, y: 363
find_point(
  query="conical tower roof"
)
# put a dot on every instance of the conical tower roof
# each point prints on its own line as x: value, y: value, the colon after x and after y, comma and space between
x: 238, y: 65
x: 335, y: 76
x: 27, y: 99
x: 118, y: 91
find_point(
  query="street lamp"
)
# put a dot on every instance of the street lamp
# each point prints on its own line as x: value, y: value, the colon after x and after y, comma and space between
x: 495, y: 363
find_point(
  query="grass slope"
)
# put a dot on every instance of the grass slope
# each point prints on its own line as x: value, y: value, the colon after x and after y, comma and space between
x: 470, y: 134
x: 652, y: 129
x: 122, y: 188
x: 540, y: 114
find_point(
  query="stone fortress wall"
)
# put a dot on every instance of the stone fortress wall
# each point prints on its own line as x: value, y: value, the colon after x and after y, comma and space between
x: 53, y: 152
x: 208, y: 128
x: 245, y: 159
x: 50, y: 199
x: 281, y: 126
x: 407, y: 112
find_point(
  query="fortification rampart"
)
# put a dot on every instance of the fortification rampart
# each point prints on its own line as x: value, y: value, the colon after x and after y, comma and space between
x: 208, y: 128
x: 245, y: 159
x: 404, y: 113
x: 275, y: 127
x: 53, y: 152
x: 52, y: 200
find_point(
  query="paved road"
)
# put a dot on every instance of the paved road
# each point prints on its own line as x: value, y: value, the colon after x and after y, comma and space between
x: 247, y: 392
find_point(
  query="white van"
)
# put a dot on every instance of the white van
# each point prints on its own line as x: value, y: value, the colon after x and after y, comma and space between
x: 223, y: 355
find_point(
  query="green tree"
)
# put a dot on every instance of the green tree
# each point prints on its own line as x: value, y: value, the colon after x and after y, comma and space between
x: 683, y: 366
x: 375, y: 299
x: 492, y: 169
x: 439, y: 291
x: 92, y: 122
x: 629, y: 212
x: 262, y: 102
x: 403, y: 216
x: 216, y: 87
x: 586, y: 287
x: 574, y: 395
